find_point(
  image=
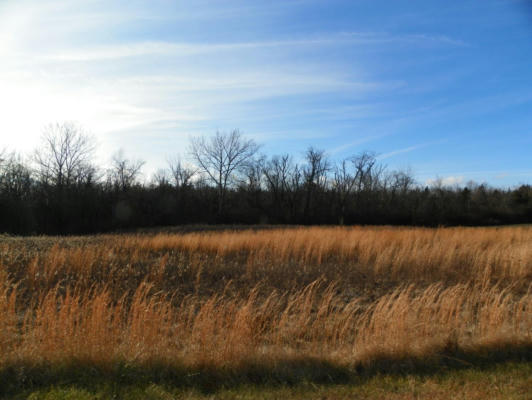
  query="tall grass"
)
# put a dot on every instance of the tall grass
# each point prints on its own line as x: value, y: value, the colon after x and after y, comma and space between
x: 226, y: 332
x: 347, y: 296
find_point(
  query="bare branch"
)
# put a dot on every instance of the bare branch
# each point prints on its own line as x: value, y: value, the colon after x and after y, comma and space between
x: 221, y: 157
x: 181, y: 174
x: 124, y: 172
x: 65, y: 156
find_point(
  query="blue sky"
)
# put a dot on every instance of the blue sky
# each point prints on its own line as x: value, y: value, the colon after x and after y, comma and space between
x: 441, y: 87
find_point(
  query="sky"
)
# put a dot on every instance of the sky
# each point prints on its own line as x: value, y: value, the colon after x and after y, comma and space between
x: 443, y: 88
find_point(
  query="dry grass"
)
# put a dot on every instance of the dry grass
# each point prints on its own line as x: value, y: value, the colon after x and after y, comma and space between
x: 227, y: 300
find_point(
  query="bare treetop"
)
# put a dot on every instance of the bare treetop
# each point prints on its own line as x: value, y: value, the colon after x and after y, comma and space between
x: 181, y: 173
x: 124, y: 171
x: 65, y: 154
x: 221, y: 156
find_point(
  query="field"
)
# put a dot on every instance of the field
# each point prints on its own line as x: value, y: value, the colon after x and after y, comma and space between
x: 292, y: 312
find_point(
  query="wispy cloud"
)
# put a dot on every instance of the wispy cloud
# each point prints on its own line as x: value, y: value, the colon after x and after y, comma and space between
x: 174, y: 49
x: 400, y: 151
x: 184, y: 49
x: 362, y: 140
x: 121, y: 88
x: 407, y: 149
x: 145, y: 76
x: 372, y: 38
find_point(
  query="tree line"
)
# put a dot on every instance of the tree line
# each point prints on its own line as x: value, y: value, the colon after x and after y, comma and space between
x: 59, y: 190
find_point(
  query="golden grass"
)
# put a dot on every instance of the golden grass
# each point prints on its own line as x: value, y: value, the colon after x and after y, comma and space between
x: 348, y: 296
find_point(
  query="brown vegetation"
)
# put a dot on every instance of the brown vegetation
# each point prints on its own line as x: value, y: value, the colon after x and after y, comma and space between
x: 224, y: 300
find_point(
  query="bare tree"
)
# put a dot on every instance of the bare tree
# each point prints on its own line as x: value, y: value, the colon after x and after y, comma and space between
x: 402, y: 181
x: 315, y: 171
x: 253, y: 182
x: 15, y: 176
x: 315, y: 174
x: 296, y: 185
x: 124, y: 172
x: 220, y: 157
x: 365, y: 164
x: 65, y: 156
x: 181, y: 174
x: 254, y: 174
x: 277, y: 174
x: 284, y: 181
x: 160, y: 178
x: 343, y: 185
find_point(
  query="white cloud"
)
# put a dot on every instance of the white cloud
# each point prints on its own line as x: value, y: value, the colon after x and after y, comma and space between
x: 445, y: 181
